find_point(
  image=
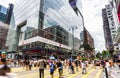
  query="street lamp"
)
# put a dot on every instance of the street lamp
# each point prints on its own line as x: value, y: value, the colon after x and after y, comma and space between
x: 73, y: 28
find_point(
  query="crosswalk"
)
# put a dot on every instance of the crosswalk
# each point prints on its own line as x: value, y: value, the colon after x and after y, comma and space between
x: 91, y: 73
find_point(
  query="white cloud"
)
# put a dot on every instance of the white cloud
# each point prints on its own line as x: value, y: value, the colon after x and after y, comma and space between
x: 92, y: 10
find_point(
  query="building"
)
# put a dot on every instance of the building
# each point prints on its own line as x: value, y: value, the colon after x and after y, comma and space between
x: 43, y: 28
x: 112, y: 19
x: 5, y: 13
x: 88, y: 39
x: 3, y: 35
x: 107, y: 33
x: 118, y: 8
x: 4, y: 24
x: 117, y: 38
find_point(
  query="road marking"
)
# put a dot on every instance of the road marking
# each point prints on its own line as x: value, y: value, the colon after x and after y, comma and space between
x: 84, y: 76
x: 57, y: 73
x: 35, y: 74
x: 66, y: 73
x: 77, y: 73
x: 98, y: 74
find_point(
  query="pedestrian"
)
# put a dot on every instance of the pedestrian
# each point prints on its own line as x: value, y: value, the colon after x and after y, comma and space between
x: 83, y: 65
x: 27, y: 62
x: 71, y: 67
x: 77, y: 64
x: 15, y: 63
x: 118, y: 62
x: 4, y: 68
x: 103, y: 64
x: 60, y: 68
x: 41, y: 68
x: 52, y: 69
x: 30, y: 64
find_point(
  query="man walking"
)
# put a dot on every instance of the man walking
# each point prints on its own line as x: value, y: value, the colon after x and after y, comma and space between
x: 41, y: 68
x: 60, y: 68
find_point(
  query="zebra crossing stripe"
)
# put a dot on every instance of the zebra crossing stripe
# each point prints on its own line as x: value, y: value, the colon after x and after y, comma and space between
x: 84, y: 76
x: 98, y: 74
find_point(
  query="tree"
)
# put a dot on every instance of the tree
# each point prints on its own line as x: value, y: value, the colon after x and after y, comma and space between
x: 98, y: 55
x: 105, y: 54
x: 86, y: 47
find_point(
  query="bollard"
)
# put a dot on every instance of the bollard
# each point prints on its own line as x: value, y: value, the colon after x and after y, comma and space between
x: 106, y: 73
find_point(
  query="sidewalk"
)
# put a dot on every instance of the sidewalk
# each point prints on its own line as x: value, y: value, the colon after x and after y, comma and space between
x: 113, y: 73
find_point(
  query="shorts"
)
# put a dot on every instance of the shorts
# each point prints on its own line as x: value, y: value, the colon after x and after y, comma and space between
x: 51, y: 73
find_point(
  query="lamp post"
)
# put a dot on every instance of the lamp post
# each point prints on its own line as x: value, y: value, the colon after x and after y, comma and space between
x: 73, y: 28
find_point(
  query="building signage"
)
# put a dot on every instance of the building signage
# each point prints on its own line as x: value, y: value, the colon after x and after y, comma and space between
x: 44, y: 40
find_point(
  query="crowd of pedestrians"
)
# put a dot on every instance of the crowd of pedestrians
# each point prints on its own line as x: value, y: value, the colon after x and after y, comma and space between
x: 52, y: 65
x: 72, y: 65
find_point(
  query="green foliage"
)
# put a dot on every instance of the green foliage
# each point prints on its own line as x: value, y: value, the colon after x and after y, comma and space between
x: 86, y: 47
x: 83, y: 58
x: 105, y: 54
x: 98, y: 55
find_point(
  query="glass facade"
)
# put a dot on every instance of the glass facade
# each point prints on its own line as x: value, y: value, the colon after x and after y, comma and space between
x: 51, y: 20
x: 3, y: 13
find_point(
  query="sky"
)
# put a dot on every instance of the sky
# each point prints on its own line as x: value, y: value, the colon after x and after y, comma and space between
x: 92, y: 10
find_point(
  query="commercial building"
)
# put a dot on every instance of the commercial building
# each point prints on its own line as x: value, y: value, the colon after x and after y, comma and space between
x: 42, y: 27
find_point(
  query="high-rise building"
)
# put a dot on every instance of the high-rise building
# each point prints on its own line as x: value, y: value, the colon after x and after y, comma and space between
x: 4, y: 24
x: 42, y: 26
x: 88, y: 39
x: 107, y: 33
x: 117, y: 38
x: 118, y: 8
x: 5, y: 13
x: 113, y: 22
x: 112, y: 19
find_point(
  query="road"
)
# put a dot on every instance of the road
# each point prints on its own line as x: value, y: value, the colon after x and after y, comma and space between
x: 91, y: 73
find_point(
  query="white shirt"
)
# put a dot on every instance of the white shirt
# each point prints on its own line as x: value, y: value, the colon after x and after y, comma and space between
x: 83, y: 65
